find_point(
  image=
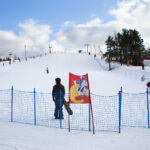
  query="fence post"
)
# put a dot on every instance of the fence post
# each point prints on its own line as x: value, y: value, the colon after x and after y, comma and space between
x: 89, y: 117
x: 148, y: 108
x: 12, y: 103
x: 120, y: 99
x: 121, y: 91
x: 34, y: 108
x: 60, y: 111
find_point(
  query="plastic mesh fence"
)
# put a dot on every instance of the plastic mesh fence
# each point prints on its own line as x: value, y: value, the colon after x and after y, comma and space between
x: 5, y: 105
x: 80, y: 117
x: 106, y: 112
x: 149, y: 106
x: 45, y: 110
x: 23, y: 107
x: 134, y: 110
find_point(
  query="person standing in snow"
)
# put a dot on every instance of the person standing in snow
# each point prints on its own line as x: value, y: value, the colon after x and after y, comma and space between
x: 47, y: 70
x: 58, y: 94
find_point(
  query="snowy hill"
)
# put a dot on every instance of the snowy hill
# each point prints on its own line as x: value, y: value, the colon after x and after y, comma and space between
x: 32, y: 74
x: 25, y: 137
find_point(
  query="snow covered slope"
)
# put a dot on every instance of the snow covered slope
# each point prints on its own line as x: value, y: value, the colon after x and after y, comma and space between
x: 32, y: 74
x: 25, y: 137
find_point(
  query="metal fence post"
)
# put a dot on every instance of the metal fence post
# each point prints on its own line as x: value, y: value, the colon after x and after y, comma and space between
x: 120, y: 99
x: 89, y: 117
x: 12, y: 103
x: 60, y: 111
x: 148, y: 108
x: 34, y: 108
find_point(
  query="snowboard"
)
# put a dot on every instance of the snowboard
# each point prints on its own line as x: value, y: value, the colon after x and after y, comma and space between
x: 66, y: 104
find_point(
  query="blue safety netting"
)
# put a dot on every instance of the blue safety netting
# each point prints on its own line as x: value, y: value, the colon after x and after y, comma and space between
x: 45, y: 110
x: 23, y: 107
x: 106, y: 112
x: 134, y: 110
x: 38, y: 109
x: 5, y: 105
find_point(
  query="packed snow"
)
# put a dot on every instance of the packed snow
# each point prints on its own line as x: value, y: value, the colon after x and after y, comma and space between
x: 26, y: 137
x: 27, y: 75
x: 32, y: 74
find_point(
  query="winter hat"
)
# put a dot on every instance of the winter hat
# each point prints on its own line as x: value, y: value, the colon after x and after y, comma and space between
x: 58, y: 80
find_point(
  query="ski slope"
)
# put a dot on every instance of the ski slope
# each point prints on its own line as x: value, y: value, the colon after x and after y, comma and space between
x: 32, y: 74
x: 26, y: 137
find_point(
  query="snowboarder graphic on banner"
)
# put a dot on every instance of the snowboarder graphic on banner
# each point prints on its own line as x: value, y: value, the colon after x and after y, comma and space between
x: 58, y: 94
x: 82, y: 86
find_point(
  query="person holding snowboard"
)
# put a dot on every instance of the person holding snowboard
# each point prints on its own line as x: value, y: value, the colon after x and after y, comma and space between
x: 58, y: 94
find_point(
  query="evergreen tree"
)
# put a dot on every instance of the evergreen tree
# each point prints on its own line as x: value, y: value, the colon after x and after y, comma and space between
x: 125, y: 46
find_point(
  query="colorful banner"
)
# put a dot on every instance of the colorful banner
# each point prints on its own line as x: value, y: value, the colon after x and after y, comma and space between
x: 79, y: 92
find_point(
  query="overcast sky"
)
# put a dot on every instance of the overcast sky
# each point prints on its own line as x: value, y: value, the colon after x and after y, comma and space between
x: 68, y: 24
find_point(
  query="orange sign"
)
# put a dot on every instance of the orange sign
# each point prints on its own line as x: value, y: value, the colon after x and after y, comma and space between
x: 79, y: 92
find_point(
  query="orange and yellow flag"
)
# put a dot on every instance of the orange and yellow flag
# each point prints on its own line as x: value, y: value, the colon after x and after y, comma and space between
x: 79, y: 92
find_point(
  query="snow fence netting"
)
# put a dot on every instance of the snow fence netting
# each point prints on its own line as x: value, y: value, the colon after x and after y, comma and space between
x: 23, y: 107
x: 38, y: 109
x: 106, y: 112
x: 5, y: 105
x: 134, y: 110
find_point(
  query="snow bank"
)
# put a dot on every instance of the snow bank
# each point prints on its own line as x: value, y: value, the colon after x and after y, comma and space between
x: 25, y: 137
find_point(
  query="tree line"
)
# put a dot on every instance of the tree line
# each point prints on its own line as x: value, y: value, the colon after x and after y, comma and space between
x: 126, y: 47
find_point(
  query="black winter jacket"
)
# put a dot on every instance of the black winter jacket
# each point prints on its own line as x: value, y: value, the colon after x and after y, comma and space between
x: 58, y: 92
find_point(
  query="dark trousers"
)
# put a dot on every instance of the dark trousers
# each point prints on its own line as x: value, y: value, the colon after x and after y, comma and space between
x: 58, y: 109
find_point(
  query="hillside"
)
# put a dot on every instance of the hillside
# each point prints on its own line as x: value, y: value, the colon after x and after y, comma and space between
x: 32, y: 74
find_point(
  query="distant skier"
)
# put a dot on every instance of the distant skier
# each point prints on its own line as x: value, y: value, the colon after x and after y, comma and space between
x: 58, y: 94
x: 19, y: 59
x: 82, y: 86
x: 47, y: 71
